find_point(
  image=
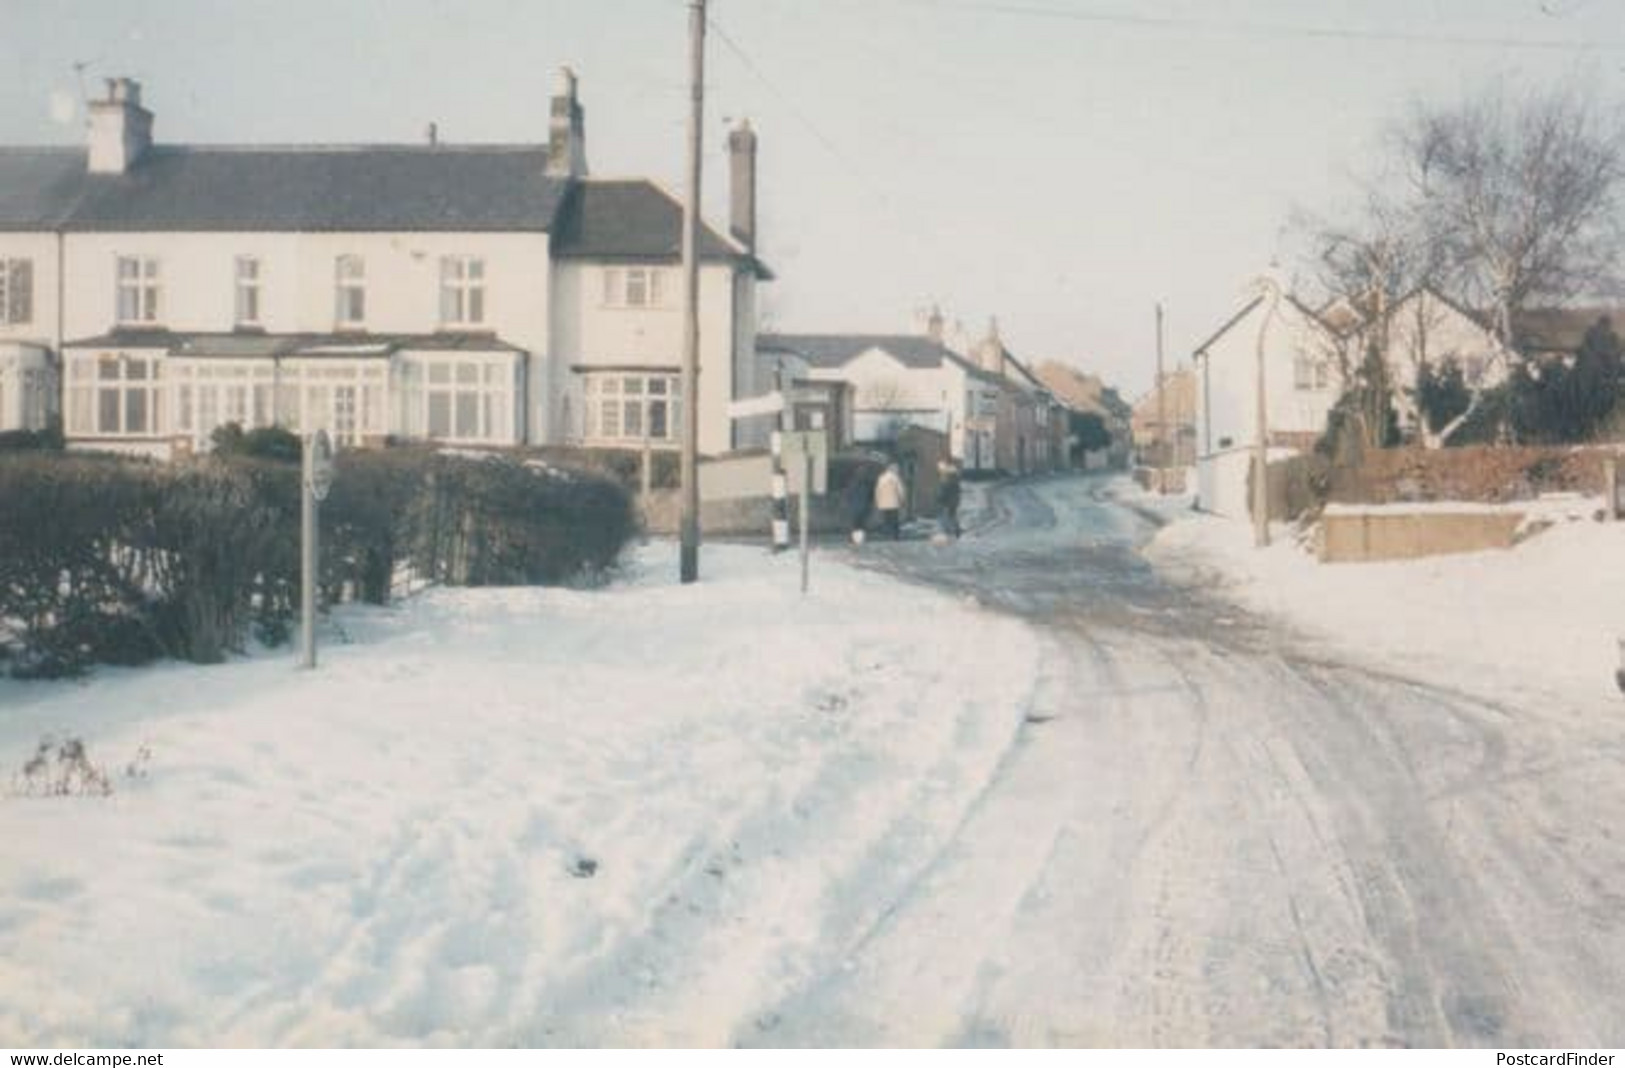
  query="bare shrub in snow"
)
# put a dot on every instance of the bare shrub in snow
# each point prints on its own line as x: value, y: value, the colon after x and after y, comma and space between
x: 61, y: 769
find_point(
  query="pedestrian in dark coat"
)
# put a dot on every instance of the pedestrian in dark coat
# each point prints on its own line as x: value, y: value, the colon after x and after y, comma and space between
x: 948, y: 494
x: 860, y: 502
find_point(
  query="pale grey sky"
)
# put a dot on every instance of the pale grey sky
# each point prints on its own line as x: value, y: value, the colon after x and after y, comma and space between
x: 1062, y: 164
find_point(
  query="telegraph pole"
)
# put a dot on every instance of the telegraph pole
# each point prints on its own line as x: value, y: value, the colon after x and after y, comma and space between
x: 689, y: 527
x: 1162, y: 413
x: 1271, y: 291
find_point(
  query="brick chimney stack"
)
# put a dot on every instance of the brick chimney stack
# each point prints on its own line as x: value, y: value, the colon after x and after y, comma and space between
x: 120, y: 128
x: 742, y: 184
x: 566, y: 132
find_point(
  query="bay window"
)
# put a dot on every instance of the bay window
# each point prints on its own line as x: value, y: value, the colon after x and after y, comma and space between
x: 114, y: 395
x: 468, y: 399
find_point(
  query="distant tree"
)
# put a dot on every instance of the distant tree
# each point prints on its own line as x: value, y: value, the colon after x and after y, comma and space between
x: 1090, y: 431
x: 1519, y: 194
x: 1558, y: 401
x: 1503, y: 200
x: 1442, y: 394
x: 1594, y: 381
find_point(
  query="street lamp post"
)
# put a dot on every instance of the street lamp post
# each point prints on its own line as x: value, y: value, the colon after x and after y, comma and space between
x: 1270, y: 291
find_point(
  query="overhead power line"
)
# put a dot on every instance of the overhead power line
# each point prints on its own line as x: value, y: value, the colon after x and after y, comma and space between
x: 1269, y: 29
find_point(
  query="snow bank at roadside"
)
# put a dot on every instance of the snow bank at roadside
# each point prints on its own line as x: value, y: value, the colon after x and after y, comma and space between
x: 501, y: 816
x: 1522, y: 625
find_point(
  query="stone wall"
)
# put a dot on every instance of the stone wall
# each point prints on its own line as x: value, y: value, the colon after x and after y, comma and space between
x: 1349, y: 535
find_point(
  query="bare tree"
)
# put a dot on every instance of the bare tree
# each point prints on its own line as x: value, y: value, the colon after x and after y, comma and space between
x: 1520, y: 195
x: 1502, y: 202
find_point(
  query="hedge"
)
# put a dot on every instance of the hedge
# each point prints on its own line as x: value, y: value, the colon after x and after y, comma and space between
x: 106, y: 560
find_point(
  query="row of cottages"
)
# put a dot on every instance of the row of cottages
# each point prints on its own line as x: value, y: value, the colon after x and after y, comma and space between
x: 994, y: 414
x: 1309, y: 357
x: 1088, y: 394
x: 478, y: 295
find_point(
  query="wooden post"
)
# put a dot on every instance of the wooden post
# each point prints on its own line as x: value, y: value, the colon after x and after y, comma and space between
x: 806, y: 503
x: 1610, y: 487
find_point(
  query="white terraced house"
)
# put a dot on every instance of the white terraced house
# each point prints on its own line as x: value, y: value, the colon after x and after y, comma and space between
x: 473, y: 294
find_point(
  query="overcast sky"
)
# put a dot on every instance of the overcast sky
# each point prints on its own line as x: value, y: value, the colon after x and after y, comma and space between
x: 1061, y: 164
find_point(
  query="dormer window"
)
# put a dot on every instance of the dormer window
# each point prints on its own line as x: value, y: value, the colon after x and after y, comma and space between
x: 634, y: 287
x: 350, y: 295
x: 138, y: 292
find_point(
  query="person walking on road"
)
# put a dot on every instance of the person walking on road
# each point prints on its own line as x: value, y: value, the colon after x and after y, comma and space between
x: 860, y: 502
x: 948, y: 493
x: 889, y: 501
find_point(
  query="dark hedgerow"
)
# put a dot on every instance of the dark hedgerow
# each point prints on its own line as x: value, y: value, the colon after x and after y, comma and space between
x: 121, y: 561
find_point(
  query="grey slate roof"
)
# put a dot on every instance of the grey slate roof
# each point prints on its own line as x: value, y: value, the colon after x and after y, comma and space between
x: 39, y: 186
x: 632, y: 219
x: 311, y: 188
x: 834, y: 350
x: 254, y: 344
x: 365, y: 188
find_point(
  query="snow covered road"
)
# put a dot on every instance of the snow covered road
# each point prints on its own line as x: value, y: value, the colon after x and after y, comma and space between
x: 1204, y: 836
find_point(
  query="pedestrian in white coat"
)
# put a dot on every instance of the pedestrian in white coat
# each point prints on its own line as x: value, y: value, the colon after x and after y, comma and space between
x: 889, y: 495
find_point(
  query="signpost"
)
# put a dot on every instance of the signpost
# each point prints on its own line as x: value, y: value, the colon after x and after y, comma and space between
x: 806, y: 456
x: 313, y: 486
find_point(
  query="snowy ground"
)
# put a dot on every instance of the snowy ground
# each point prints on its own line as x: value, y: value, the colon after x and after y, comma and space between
x: 395, y: 849
x: 1538, y: 622
x: 1107, y: 807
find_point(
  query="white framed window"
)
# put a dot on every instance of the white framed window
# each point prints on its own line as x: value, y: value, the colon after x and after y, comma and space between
x: 462, y: 291
x: 16, y: 291
x: 138, y: 289
x: 632, y: 407
x: 634, y: 287
x: 207, y: 394
x: 464, y: 399
x: 248, y: 291
x: 345, y: 398
x: 114, y: 395
x: 350, y: 291
x: 1309, y: 373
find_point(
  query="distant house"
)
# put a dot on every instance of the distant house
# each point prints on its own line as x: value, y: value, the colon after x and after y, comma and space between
x: 469, y: 294
x: 898, y: 381
x: 1164, y: 422
x: 1031, y: 430
x: 1302, y: 380
x: 1424, y: 328
x: 1088, y: 393
x: 1551, y: 332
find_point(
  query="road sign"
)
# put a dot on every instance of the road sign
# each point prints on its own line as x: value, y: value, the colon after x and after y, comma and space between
x: 319, y: 469
x: 813, y: 444
x: 766, y: 404
x: 317, y: 480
